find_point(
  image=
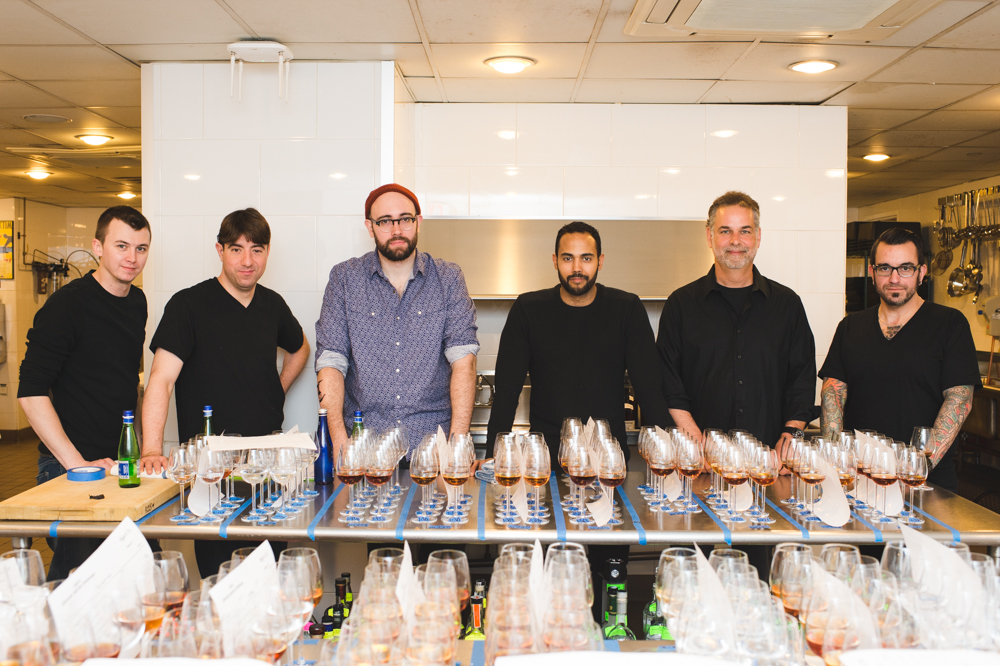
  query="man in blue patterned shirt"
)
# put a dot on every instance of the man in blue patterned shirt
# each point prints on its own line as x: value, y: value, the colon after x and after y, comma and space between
x: 396, y: 337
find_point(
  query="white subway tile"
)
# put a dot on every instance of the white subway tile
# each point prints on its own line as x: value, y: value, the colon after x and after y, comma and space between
x: 443, y: 190
x: 610, y: 191
x: 261, y: 114
x: 790, y: 198
x: 181, y: 89
x: 778, y: 256
x: 764, y: 136
x: 686, y: 193
x: 338, y: 239
x: 181, y: 246
x: 822, y: 268
x: 824, y: 312
x: 657, y: 135
x: 454, y: 134
x: 211, y: 263
x: 564, y: 134
x: 291, y: 262
x: 323, y: 176
x: 228, y: 176
x: 347, y: 100
x: 525, y: 192
x: 823, y: 137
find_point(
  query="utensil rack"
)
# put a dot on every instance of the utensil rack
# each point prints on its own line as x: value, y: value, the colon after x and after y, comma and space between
x: 979, y: 212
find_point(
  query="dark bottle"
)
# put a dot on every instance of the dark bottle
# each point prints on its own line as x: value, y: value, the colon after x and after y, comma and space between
x: 474, y: 631
x: 613, y: 574
x: 340, y: 585
x: 206, y: 420
x: 631, y: 408
x: 323, y: 467
x: 349, y: 597
x: 128, y: 454
x: 333, y: 620
x: 359, y: 424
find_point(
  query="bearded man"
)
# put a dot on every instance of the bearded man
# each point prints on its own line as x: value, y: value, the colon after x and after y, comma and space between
x: 396, y: 337
x: 737, y: 350
x: 904, y: 363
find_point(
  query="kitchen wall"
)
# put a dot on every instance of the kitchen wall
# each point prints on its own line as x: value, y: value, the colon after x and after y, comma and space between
x: 666, y: 162
x: 923, y: 208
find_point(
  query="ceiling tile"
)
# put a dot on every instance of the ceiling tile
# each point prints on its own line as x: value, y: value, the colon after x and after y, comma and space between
x: 988, y: 100
x: 95, y: 93
x: 16, y: 137
x: 127, y: 21
x: 461, y: 21
x: 424, y: 89
x: 773, y: 92
x: 933, y: 165
x: 23, y: 24
x: 956, y: 120
x: 14, y: 94
x: 173, y: 52
x: 892, y: 138
x: 67, y: 136
x: 937, y: 19
x: 856, y: 136
x: 37, y: 63
x: 991, y: 139
x: 411, y: 57
x: 642, y: 91
x: 897, y: 153
x: 509, y: 90
x: 664, y: 60
x: 880, y: 119
x: 982, y: 32
x: 128, y: 116
x: 967, y: 154
x: 553, y: 61
x: 12, y: 161
x: 78, y: 117
x: 387, y: 21
x: 902, y: 95
x: 944, y: 66
x: 769, y: 62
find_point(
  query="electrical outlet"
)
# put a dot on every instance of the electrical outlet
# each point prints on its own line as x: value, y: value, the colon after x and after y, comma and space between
x: 3, y: 389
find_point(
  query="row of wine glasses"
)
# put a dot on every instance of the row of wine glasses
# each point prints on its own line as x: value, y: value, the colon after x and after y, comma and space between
x: 367, y: 463
x: 520, y: 456
x: 597, y: 462
x: 454, y: 465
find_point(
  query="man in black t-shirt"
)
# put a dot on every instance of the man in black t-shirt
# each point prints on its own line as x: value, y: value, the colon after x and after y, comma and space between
x: 216, y: 344
x: 904, y: 363
x: 81, y: 366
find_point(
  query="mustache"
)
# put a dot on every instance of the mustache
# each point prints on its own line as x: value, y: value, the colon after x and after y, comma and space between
x: 578, y: 275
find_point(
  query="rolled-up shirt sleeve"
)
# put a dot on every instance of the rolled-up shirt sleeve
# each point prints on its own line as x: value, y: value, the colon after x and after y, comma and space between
x: 460, y: 325
x: 333, y: 342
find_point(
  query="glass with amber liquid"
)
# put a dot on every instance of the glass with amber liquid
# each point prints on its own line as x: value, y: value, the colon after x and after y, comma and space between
x: 507, y: 471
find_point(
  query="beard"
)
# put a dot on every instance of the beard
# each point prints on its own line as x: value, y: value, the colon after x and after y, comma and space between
x: 398, y: 254
x: 578, y: 291
x: 896, y: 299
x: 735, y: 262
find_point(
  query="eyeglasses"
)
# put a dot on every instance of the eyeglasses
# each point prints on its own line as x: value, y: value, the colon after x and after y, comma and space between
x: 385, y: 224
x: 905, y: 271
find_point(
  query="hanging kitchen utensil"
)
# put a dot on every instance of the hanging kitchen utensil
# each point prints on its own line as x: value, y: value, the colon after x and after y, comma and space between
x: 956, y: 281
x: 941, y: 261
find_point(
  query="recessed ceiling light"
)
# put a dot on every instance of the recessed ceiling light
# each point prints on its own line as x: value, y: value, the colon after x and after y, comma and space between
x: 94, y: 139
x: 778, y: 198
x: 725, y: 134
x: 876, y: 157
x: 509, y: 64
x: 673, y: 172
x: 835, y: 173
x: 39, y: 175
x: 49, y: 118
x: 813, y: 66
x: 643, y: 196
x: 126, y: 195
x: 192, y: 176
x: 507, y: 134
x: 338, y: 176
x: 511, y: 172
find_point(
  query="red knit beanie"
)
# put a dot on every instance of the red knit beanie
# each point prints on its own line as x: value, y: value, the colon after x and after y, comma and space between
x: 390, y: 187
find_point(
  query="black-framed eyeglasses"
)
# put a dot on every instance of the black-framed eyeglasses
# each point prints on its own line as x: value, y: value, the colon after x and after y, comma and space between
x: 405, y: 223
x: 904, y: 271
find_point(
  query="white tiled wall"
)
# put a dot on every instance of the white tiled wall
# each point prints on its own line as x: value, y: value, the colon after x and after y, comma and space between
x: 307, y: 164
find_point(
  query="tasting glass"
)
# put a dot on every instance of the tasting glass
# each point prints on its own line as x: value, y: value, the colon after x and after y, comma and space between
x: 537, y: 469
x: 662, y: 463
x: 883, y: 474
x: 253, y: 468
x: 424, y: 468
x: 455, y: 472
x: 764, y: 468
x: 911, y: 464
x: 922, y: 438
x: 173, y: 570
x: 689, y: 466
x: 29, y: 565
x: 611, y: 471
x: 379, y: 464
x: 459, y: 563
x: 464, y: 449
x: 283, y: 469
x: 212, y: 472
x: 350, y: 471
x: 182, y: 468
x: 507, y: 471
x: 734, y: 471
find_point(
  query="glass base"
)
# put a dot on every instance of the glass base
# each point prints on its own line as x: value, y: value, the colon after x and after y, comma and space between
x: 913, y: 520
x: 249, y: 518
x: 764, y: 519
x: 733, y: 518
x: 310, y: 493
x: 379, y: 519
x: 266, y: 522
x: 211, y: 519
x: 582, y: 520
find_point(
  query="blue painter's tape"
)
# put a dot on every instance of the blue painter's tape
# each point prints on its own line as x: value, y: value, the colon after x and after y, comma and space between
x: 478, y: 657
x: 612, y: 646
x: 875, y: 530
x: 557, y: 511
x: 156, y: 511
x: 52, y: 528
x: 955, y: 536
x: 635, y: 516
x: 224, y: 527
x: 405, y: 511
x: 481, y: 512
x: 311, y: 530
x: 726, y: 534
x: 90, y: 473
x: 780, y: 511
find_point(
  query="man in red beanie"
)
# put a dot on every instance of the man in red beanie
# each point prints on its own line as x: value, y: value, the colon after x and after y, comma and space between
x: 396, y: 338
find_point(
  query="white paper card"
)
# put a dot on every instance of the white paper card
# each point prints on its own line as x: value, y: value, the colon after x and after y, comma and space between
x: 602, y: 508
x: 289, y: 440
x: 832, y: 507
x: 609, y: 659
x: 520, y: 499
x: 408, y: 592
x: 240, y: 599
x: 10, y: 579
x: 536, y: 581
x: 917, y: 658
x: 715, y: 599
x: 743, y: 496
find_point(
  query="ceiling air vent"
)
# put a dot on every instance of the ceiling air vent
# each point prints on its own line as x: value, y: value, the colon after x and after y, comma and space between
x: 849, y: 20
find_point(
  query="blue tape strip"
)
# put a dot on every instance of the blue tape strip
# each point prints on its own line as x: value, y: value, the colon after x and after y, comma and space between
x: 478, y: 657
x: 726, y: 534
x: 612, y: 646
x: 481, y: 512
x: 877, y: 531
x: 156, y: 511
x: 311, y: 530
x: 667, y: 648
x: 224, y: 527
x: 557, y: 510
x: 635, y: 516
x: 805, y: 532
x: 955, y: 536
x: 52, y: 528
x: 405, y: 511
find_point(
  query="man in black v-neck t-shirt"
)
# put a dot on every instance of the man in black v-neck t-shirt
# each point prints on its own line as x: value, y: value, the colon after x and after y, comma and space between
x: 903, y: 364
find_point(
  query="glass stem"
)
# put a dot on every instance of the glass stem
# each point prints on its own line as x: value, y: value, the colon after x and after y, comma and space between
x: 184, y: 503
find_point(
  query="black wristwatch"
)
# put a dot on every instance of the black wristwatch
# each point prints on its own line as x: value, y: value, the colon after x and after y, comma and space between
x: 794, y: 432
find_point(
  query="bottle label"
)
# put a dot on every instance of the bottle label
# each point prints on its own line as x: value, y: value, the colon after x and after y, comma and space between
x: 477, y: 616
x: 124, y: 469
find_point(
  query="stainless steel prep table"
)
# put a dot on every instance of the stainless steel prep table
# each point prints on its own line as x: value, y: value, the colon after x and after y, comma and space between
x: 974, y: 524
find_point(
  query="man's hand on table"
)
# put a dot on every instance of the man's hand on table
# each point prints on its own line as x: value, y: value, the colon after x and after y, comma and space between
x: 153, y: 463
x: 106, y: 463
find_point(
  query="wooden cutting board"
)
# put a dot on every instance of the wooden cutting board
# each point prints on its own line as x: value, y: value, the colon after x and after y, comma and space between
x: 62, y: 499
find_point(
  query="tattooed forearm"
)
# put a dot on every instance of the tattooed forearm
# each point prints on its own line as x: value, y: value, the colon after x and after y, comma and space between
x: 951, y: 416
x: 833, y: 397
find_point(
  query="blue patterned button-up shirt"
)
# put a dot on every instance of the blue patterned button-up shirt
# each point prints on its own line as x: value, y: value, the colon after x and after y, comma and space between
x: 396, y: 353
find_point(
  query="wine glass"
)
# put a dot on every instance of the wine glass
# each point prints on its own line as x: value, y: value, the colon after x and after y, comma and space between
x: 456, y: 560
x: 733, y: 469
x: 661, y: 462
x: 174, y: 571
x: 464, y: 448
x: 764, y: 470
x: 29, y: 565
x: 424, y: 469
x: 537, y: 469
x: 211, y: 473
x: 689, y: 466
x: 350, y: 470
x: 253, y: 468
x: 283, y: 468
x: 808, y: 470
x: 883, y: 474
x: 309, y: 457
x: 379, y: 464
x: 182, y: 468
x: 298, y: 588
x: 922, y: 438
x: 507, y: 471
x: 912, y: 467
x: 611, y: 471
x: 455, y: 472
x: 582, y: 472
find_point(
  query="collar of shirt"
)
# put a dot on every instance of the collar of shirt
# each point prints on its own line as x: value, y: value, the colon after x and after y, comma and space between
x: 373, y: 265
x: 708, y: 284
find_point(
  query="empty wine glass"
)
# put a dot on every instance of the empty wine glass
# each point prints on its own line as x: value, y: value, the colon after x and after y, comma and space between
x: 284, y: 466
x: 253, y: 469
x: 182, y: 468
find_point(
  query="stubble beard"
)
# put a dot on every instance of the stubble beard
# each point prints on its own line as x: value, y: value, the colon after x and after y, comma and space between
x: 401, y: 254
x: 896, y: 300
x: 736, y: 262
x: 578, y: 291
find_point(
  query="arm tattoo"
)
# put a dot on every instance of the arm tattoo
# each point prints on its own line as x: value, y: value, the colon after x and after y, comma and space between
x: 833, y: 397
x: 956, y: 407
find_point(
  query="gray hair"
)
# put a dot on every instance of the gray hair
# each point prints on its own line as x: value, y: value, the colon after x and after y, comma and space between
x: 734, y: 198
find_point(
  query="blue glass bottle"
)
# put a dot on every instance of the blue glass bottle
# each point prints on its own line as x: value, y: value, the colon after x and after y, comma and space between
x: 323, y: 467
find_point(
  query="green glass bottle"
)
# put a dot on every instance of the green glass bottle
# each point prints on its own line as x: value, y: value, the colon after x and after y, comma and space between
x: 359, y: 424
x: 128, y: 453
x: 620, y: 631
x: 206, y: 420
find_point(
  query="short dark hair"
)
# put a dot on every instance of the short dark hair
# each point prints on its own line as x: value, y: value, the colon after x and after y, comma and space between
x: 126, y: 214
x: 579, y: 228
x: 248, y: 222
x: 734, y: 198
x: 900, y: 236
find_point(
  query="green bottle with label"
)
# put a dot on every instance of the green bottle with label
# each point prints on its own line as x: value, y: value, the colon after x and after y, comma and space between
x: 128, y: 453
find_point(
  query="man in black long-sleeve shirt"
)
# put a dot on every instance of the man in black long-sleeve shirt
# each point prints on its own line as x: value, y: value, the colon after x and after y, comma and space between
x: 85, y: 347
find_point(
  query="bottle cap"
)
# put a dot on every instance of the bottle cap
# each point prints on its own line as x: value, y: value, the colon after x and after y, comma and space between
x: 127, y: 414
x: 322, y: 412
x: 357, y: 413
x: 345, y: 575
x: 207, y: 411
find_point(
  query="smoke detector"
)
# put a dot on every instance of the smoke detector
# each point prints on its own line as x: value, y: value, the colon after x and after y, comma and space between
x: 256, y: 51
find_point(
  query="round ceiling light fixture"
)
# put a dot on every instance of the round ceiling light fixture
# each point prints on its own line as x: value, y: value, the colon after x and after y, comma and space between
x: 38, y: 175
x: 725, y: 134
x: 510, y: 64
x: 126, y: 195
x: 49, y: 118
x: 813, y: 66
x: 94, y: 139
x: 877, y: 157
